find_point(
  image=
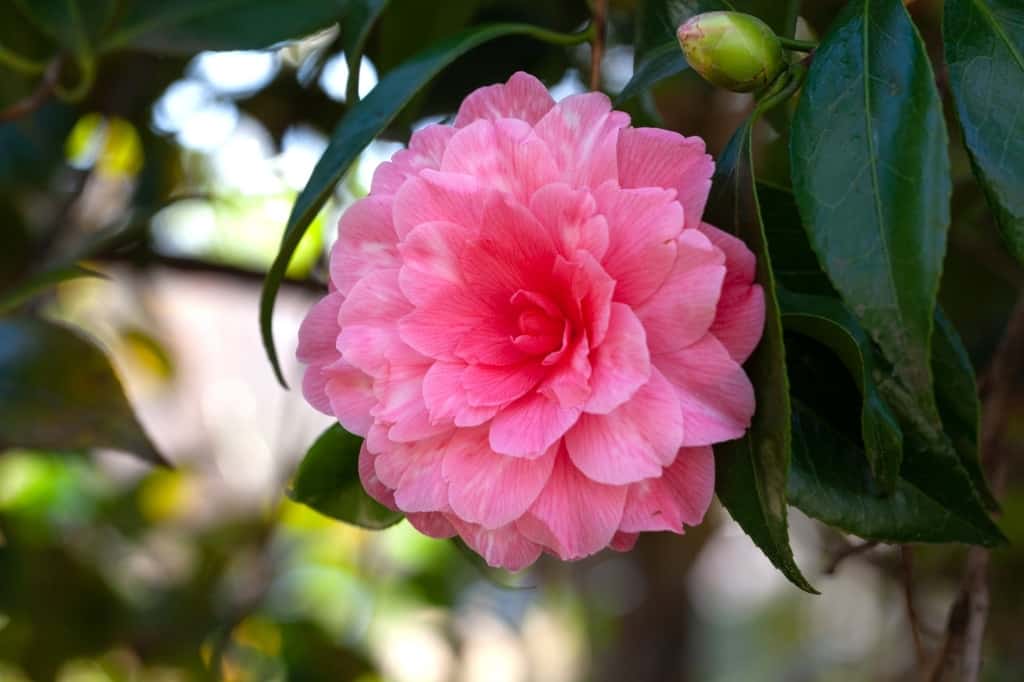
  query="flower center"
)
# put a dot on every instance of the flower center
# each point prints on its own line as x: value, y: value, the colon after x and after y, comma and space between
x: 542, y: 328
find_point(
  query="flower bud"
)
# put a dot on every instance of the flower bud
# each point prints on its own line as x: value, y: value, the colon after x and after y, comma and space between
x: 735, y: 51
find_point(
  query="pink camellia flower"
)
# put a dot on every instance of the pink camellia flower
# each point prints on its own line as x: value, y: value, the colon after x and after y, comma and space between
x: 534, y: 331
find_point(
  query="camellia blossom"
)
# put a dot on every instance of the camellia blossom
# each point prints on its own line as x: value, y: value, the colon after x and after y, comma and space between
x: 534, y: 331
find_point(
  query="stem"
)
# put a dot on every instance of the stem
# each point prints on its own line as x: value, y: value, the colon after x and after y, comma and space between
x: 18, y: 63
x: 563, y: 39
x: 87, y: 75
x: 797, y: 45
x: 38, y: 97
x: 907, y: 560
x: 600, y: 30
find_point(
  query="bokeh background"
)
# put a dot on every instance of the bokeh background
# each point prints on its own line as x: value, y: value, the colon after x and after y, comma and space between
x: 111, y: 570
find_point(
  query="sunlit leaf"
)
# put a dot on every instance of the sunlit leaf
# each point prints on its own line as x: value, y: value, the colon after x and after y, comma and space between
x: 328, y: 481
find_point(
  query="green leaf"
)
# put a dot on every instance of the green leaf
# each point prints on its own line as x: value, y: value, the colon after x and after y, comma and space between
x: 35, y: 285
x: 984, y: 42
x: 362, y: 15
x: 75, y: 24
x: 794, y: 263
x: 59, y: 392
x: 829, y: 481
x: 328, y: 482
x: 750, y: 473
x: 188, y: 26
x: 871, y: 179
x: 357, y: 129
x: 828, y: 322
x: 956, y: 391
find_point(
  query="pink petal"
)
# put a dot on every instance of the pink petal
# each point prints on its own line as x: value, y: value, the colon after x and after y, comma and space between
x: 571, y: 217
x: 573, y: 516
x: 529, y: 426
x: 446, y: 399
x: 679, y: 497
x: 581, y: 131
x: 426, y: 147
x: 642, y: 228
x: 433, y: 196
x: 319, y: 332
x: 503, y: 547
x: 739, y: 260
x: 651, y: 157
x: 430, y: 260
x: 682, y: 310
x: 371, y: 484
x: 714, y: 391
x: 740, y: 320
x: 487, y: 385
x: 369, y: 337
x: 503, y: 155
x: 491, y: 489
x: 624, y: 542
x: 436, y: 327
x: 434, y: 524
x: 621, y: 364
x: 413, y: 470
x: 350, y: 395
x: 523, y: 97
x: 366, y: 242
x: 634, y: 441
x: 399, y: 392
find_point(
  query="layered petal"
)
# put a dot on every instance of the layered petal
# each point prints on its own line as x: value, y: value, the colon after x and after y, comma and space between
x: 679, y: 497
x: 366, y: 242
x: 523, y: 97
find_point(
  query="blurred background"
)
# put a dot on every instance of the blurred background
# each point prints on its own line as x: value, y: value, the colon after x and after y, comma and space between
x: 111, y: 570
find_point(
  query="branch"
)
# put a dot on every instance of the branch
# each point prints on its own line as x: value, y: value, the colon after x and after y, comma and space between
x: 597, y: 42
x: 907, y: 561
x: 38, y: 97
x: 846, y: 552
x: 960, y: 657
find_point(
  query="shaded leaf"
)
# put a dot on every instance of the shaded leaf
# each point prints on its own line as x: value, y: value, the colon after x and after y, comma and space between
x: 357, y: 129
x: 830, y: 481
x: 359, y: 21
x: 750, y: 473
x: 828, y: 322
x: 984, y: 41
x: 871, y: 179
x: 187, y: 26
x: 59, y: 392
x: 328, y: 482
x: 956, y: 391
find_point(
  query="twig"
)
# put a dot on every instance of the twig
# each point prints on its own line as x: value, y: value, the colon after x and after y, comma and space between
x: 907, y: 560
x: 960, y: 657
x: 38, y: 97
x: 847, y: 552
x: 600, y: 28
x: 204, y: 267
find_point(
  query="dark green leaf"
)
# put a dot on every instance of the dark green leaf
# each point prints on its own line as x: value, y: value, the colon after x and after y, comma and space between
x: 871, y: 178
x: 793, y: 261
x: 830, y: 481
x: 828, y: 322
x: 984, y: 42
x: 328, y: 481
x: 75, y: 24
x: 58, y: 391
x: 187, y: 26
x: 956, y: 391
x: 361, y: 16
x: 750, y: 473
x: 362, y: 123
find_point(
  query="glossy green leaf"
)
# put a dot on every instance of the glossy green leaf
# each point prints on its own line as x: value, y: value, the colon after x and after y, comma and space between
x: 871, y: 179
x: 750, y: 473
x: 363, y: 122
x: 359, y: 21
x: 328, y: 481
x: 828, y: 322
x: 829, y: 480
x: 58, y: 391
x: 794, y: 263
x: 187, y: 26
x: 984, y: 41
x: 956, y: 391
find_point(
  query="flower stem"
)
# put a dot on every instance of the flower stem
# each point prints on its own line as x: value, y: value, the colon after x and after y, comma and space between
x: 597, y: 40
x: 798, y: 45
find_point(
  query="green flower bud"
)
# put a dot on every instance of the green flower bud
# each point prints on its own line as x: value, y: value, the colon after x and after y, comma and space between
x: 732, y: 50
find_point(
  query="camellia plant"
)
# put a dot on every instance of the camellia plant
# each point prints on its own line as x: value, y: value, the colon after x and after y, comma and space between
x: 551, y: 326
